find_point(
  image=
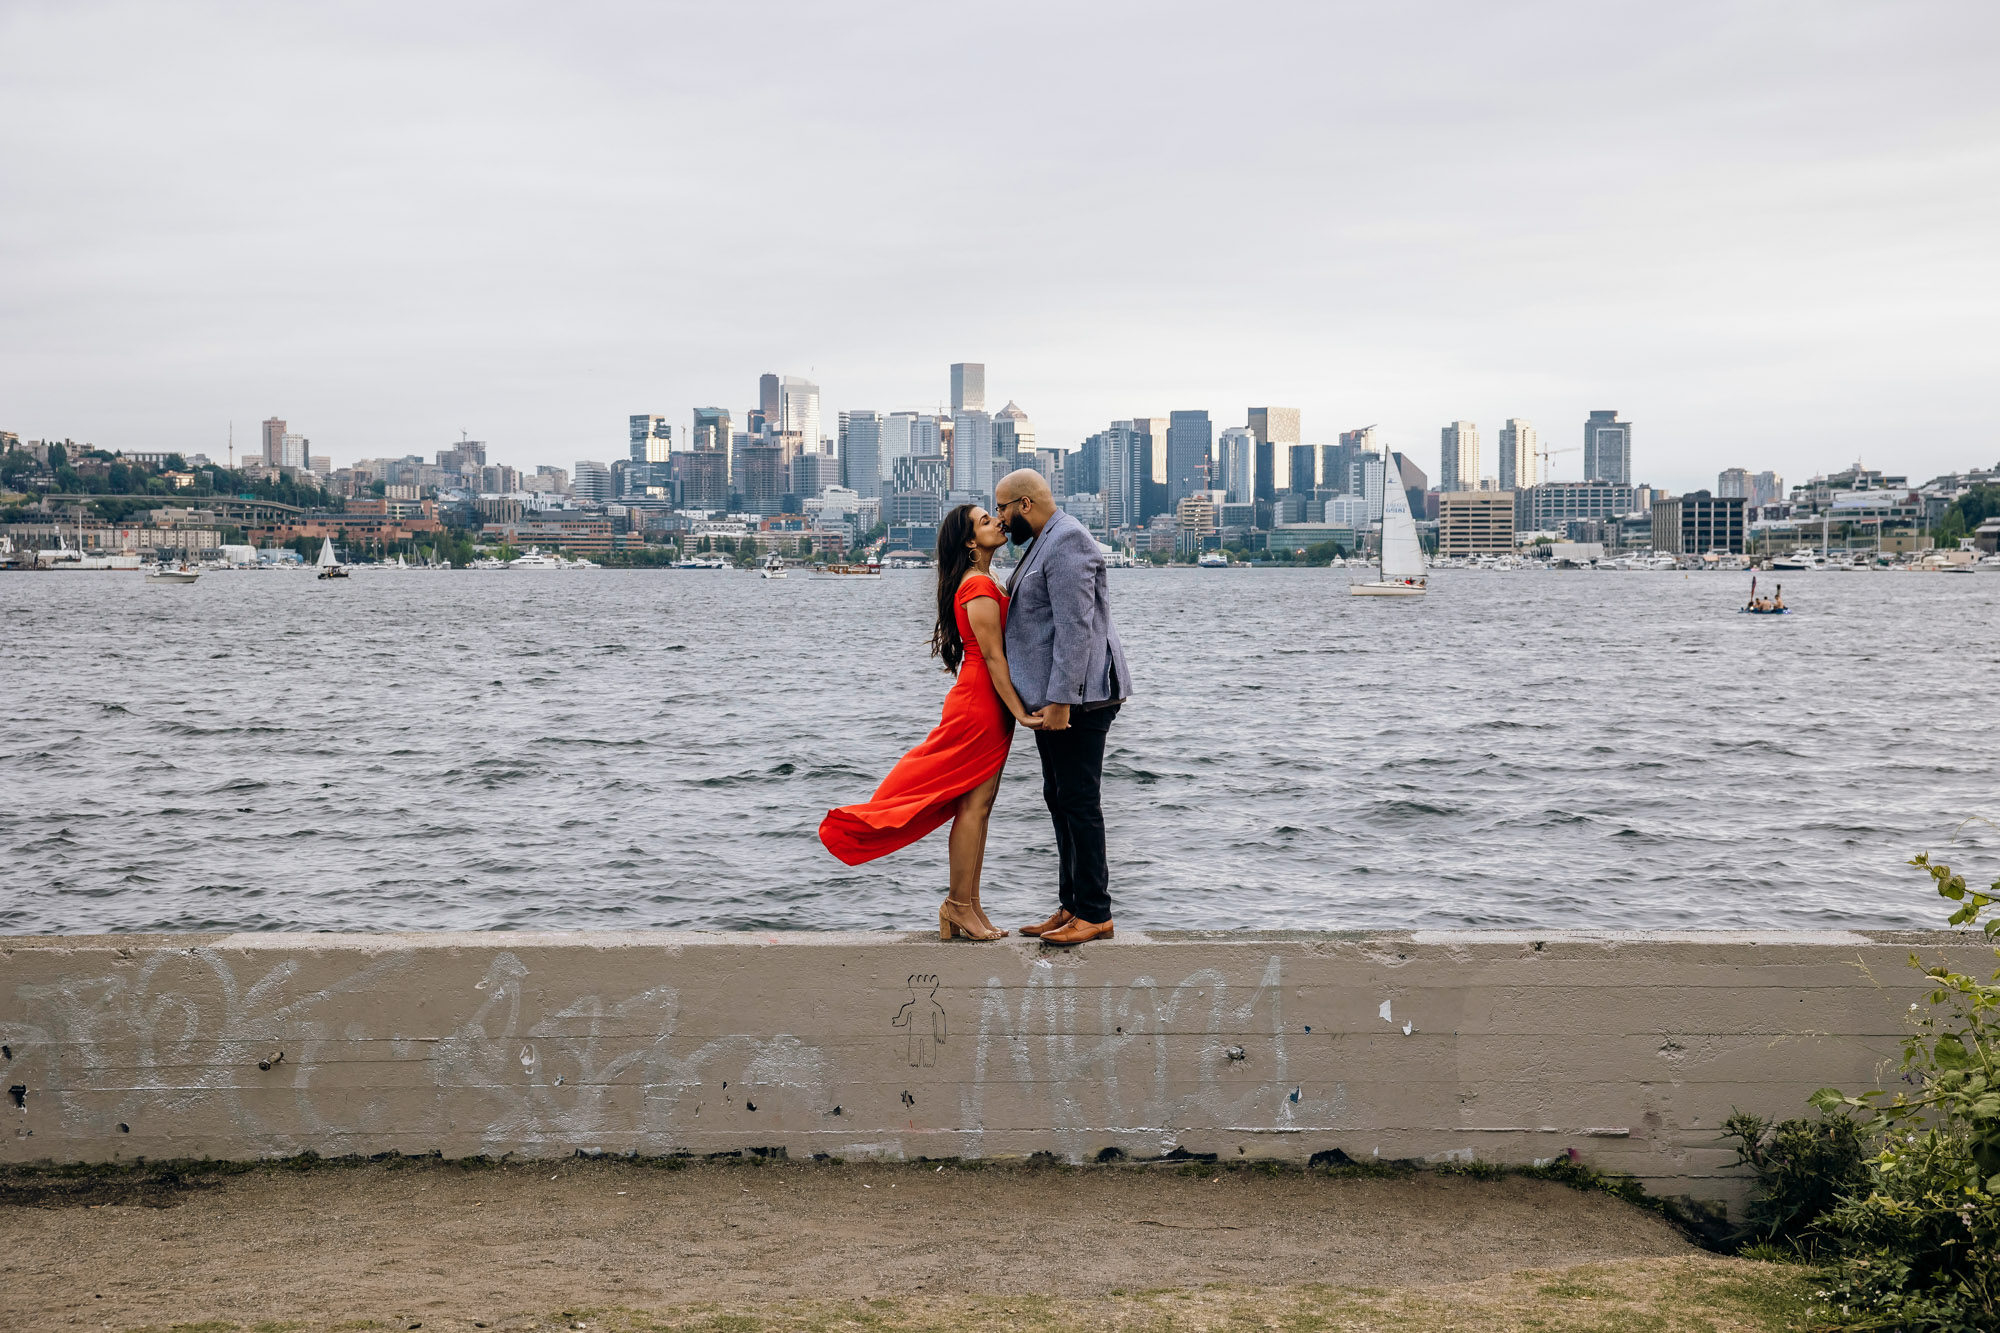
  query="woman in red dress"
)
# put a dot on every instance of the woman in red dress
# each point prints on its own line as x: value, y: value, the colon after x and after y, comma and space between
x: 955, y: 772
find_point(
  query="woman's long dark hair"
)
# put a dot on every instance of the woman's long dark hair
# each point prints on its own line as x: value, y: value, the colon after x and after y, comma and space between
x: 954, y: 557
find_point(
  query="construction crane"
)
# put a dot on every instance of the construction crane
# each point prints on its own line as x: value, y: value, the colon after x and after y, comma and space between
x: 1546, y: 454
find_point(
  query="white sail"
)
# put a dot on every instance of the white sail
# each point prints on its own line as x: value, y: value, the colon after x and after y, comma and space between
x: 1402, y: 555
x: 326, y: 559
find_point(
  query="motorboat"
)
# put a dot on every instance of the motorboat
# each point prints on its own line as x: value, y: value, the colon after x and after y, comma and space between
x: 181, y: 573
x: 1805, y: 557
x: 581, y: 562
x: 487, y: 562
x: 702, y: 562
x: 1212, y: 560
x: 1401, y: 569
x: 773, y: 567
x: 534, y: 559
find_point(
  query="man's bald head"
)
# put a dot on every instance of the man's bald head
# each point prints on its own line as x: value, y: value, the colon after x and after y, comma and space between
x: 1024, y: 484
x: 1024, y: 495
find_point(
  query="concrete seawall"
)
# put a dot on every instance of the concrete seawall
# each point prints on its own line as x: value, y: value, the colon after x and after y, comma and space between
x: 1626, y: 1050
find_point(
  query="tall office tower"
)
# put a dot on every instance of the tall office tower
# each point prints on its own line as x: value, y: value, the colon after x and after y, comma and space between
x: 898, y: 440
x: 701, y: 478
x: 1361, y: 438
x: 1053, y: 464
x: 711, y: 429
x: 1128, y: 465
x: 769, y: 405
x: 1236, y: 464
x: 1304, y: 469
x: 590, y: 482
x: 1365, y: 479
x: 1334, y: 460
x: 1459, y: 443
x: 1013, y: 440
x: 292, y: 450
x: 1151, y: 466
x: 1276, y: 430
x: 1607, y: 449
x: 1085, y: 467
x: 1733, y: 483
x: 1190, y: 441
x: 760, y: 476
x: 972, y: 452
x: 1517, y: 456
x: 968, y: 387
x: 861, y: 452
x: 274, y: 431
x: 798, y: 411
x: 652, y: 439
x: 812, y: 473
x: 1766, y: 488
x: 927, y: 435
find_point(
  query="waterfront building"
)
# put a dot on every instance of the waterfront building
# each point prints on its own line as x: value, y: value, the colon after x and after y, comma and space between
x: 1275, y: 429
x: 1698, y: 522
x: 1236, y: 464
x: 1195, y: 520
x: 972, y: 453
x: 590, y: 481
x: 1352, y: 511
x: 1551, y: 506
x: 1013, y: 440
x: 1190, y: 440
x: 652, y: 439
x: 1475, y: 522
x: 701, y: 480
x: 968, y: 387
x: 1296, y: 537
x: 1459, y: 443
x: 1518, y: 459
x: 1607, y: 448
x: 861, y: 452
x: 1086, y: 508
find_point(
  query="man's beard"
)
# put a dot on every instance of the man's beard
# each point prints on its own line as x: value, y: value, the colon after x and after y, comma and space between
x: 1018, y: 530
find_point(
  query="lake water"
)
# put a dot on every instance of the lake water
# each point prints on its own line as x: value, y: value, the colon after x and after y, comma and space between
x: 265, y: 751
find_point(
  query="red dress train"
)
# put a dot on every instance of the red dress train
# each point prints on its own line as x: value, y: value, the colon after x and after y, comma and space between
x: 968, y: 746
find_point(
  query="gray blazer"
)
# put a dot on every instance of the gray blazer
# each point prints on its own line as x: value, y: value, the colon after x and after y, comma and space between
x: 1061, y: 645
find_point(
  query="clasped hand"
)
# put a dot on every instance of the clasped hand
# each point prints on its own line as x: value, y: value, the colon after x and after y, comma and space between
x: 1050, y: 717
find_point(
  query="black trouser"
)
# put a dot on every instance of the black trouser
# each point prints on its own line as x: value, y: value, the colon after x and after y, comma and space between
x: 1072, y: 781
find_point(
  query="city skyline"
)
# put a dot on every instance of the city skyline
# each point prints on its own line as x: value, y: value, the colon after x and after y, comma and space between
x: 1762, y: 269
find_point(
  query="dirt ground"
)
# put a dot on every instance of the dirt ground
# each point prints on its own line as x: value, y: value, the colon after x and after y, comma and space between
x: 575, y: 1242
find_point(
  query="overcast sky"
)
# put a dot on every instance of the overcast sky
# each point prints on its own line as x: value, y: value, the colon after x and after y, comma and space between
x: 1764, y: 232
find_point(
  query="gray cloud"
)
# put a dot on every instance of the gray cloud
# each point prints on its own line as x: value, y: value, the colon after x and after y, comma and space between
x: 1762, y: 231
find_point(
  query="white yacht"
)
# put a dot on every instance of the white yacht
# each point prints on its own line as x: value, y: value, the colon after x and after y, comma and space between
x: 181, y: 573
x: 534, y: 559
x: 1213, y: 560
x: 702, y: 562
x: 487, y: 562
x: 1402, y: 568
x: 1805, y: 557
x: 773, y: 567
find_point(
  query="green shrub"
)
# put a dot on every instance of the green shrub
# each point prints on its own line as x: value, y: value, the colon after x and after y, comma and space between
x: 1916, y: 1242
x: 1802, y: 1167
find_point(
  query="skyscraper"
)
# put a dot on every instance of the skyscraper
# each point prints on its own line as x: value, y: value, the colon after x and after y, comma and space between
x: 274, y: 433
x: 861, y: 452
x: 1127, y: 465
x: 1236, y: 464
x: 1150, y: 466
x: 1607, y: 448
x: 1275, y: 429
x: 652, y: 439
x: 1766, y: 488
x: 769, y: 405
x: 1190, y: 440
x: 972, y: 452
x: 1084, y: 469
x: 798, y: 411
x: 1013, y: 440
x: 590, y: 482
x: 1460, y: 445
x: 292, y: 450
x: 1304, y: 468
x: 968, y: 387
x: 1733, y: 484
x: 1517, y: 455
x: 701, y: 476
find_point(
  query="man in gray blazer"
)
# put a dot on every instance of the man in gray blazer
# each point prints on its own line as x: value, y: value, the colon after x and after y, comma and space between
x: 1065, y: 659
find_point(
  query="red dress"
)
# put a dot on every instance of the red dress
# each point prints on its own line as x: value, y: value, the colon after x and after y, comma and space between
x: 968, y: 746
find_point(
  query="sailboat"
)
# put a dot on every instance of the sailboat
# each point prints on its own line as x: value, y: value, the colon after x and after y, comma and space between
x: 329, y: 567
x: 1402, y: 554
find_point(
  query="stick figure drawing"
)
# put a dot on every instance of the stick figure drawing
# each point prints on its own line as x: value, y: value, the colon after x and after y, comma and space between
x: 922, y: 1005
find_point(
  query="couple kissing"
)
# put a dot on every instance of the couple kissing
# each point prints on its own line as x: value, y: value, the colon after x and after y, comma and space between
x: 1041, y: 653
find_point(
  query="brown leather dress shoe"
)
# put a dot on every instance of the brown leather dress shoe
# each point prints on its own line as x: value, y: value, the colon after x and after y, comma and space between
x: 1079, y: 931
x: 1060, y: 919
